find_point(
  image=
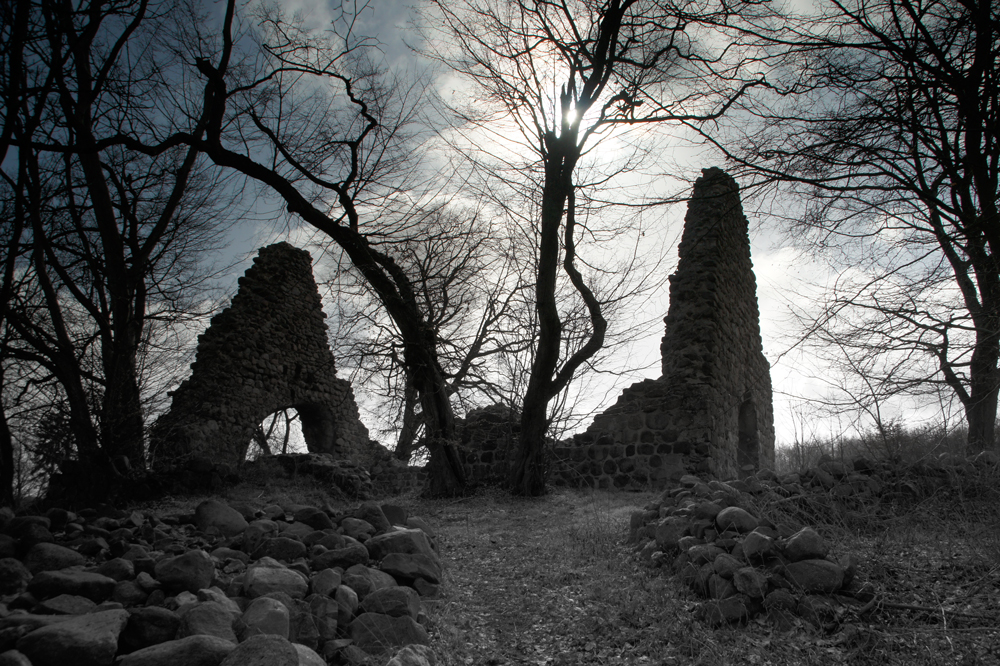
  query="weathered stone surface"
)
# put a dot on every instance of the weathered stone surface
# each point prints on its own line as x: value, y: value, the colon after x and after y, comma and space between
x: 207, y: 618
x: 374, y: 515
x: 411, y: 541
x: 375, y: 633
x: 324, y: 611
x: 266, y: 351
x: 806, y: 544
x: 408, y: 567
x: 733, y: 517
x: 149, y: 626
x: 723, y: 611
x: 348, y: 556
x: 347, y: 604
x: 820, y: 576
x: 726, y: 565
x: 265, y: 615
x: 49, y: 584
x: 325, y: 582
x: 414, y: 655
x: 283, y: 549
x: 750, y: 582
x: 711, y: 410
x: 14, y: 658
x: 669, y: 532
x: 315, y: 518
x: 394, y: 601
x: 263, y: 650
x: 191, y: 571
x: 262, y: 579
x: 757, y: 546
x: 87, y: 640
x: 307, y: 656
x: 52, y: 557
x: 14, y: 576
x: 191, y: 651
x: 215, y: 515
x: 67, y: 604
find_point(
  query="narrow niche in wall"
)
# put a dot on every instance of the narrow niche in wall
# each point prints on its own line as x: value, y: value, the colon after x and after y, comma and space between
x: 281, y: 432
x: 748, y: 451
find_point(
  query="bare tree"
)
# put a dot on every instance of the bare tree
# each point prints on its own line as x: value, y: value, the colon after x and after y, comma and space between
x: 892, y: 136
x: 100, y: 242
x: 312, y: 118
x: 468, y: 288
x: 565, y: 76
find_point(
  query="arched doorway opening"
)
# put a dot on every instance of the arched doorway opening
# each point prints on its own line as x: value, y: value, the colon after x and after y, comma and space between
x: 279, y: 432
x: 748, y: 447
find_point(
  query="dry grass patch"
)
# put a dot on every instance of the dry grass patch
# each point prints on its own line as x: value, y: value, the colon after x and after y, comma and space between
x: 550, y: 581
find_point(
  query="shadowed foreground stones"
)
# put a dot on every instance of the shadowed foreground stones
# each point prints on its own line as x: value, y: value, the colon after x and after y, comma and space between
x: 87, y: 640
x: 744, y: 564
x: 190, y: 651
x: 192, y: 590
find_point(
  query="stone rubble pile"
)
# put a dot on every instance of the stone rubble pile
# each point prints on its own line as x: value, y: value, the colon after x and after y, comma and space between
x: 714, y: 539
x: 744, y: 564
x: 287, y: 585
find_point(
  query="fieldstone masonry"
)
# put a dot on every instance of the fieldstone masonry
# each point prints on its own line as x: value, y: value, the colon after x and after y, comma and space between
x: 267, y: 351
x: 710, y: 412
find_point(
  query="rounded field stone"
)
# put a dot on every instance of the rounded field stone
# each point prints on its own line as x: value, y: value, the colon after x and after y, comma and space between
x: 820, y: 576
x: 191, y: 571
x: 52, y: 557
x: 261, y: 580
x: 375, y: 633
x: 213, y: 514
x: 806, y: 544
x: 190, y: 651
x: 263, y: 650
x: 733, y: 517
x: 87, y: 640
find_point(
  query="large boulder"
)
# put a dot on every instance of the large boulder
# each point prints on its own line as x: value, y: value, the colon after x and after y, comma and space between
x: 410, y: 541
x: 198, y: 650
x: 375, y: 632
x: 213, y: 515
x: 87, y: 640
x: 191, y: 571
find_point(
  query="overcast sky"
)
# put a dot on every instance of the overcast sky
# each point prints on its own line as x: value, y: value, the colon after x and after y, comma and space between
x: 786, y: 278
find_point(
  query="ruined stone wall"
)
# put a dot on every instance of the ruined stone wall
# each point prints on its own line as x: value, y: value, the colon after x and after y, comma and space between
x: 267, y: 351
x: 710, y: 412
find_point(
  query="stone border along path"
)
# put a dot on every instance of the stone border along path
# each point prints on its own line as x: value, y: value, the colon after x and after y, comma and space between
x: 287, y: 585
x: 746, y: 565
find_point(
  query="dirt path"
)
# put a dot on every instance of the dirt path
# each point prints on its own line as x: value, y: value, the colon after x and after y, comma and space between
x: 550, y: 582
x: 545, y: 581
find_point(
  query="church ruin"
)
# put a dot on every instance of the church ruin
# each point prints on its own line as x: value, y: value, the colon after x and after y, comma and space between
x: 266, y: 352
x: 710, y: 412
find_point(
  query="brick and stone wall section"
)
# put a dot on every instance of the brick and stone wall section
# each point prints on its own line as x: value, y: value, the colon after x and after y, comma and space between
x: 267, y: 351
x: 710, y: 412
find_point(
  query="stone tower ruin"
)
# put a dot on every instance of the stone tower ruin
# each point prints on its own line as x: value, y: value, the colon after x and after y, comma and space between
x: 267, y: 351
x: 710, y: 412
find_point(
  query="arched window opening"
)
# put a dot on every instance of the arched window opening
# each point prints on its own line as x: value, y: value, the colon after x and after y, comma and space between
x: 748, y: 449
x: 280, y: 432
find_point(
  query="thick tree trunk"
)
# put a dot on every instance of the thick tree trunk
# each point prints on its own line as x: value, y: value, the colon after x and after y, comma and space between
x: 411, y: 423
x: 527, y: 475
x: 446, y: 474
x: 121, y: 409
x: 6, y: 461
x: 984, y: 385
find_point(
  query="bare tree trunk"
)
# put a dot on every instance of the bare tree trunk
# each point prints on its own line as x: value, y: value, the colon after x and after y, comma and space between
x: 6, y: 459
x: 411, y: 422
